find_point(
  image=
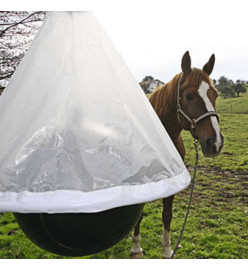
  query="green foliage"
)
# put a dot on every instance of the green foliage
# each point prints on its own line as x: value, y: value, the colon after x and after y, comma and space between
x: 217, y: 226
x: 148, y: 78
x: 239, y: 87
x: 229, y: 89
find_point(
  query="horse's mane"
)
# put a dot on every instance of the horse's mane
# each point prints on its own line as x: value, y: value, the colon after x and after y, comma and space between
x: 164, y: 99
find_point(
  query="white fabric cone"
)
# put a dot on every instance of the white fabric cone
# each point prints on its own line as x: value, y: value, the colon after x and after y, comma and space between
x: 77, y: 132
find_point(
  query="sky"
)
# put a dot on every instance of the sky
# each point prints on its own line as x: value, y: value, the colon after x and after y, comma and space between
x: 153, y: 35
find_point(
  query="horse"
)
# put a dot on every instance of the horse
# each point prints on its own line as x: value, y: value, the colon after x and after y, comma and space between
x: 186, y: 102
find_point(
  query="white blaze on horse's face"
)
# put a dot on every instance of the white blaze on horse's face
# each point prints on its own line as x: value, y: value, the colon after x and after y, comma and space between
x: 203, y: 90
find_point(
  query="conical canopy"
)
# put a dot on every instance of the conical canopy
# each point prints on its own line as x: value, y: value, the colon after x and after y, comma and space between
x: 77, y: 132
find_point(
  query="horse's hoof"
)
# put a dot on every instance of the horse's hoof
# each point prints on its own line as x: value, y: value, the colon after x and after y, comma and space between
x: 169, y: 257
x: 137, y: 255
x: 167, y: 254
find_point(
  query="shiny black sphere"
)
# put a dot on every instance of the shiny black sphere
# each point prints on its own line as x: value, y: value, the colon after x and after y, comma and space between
x: 79, y: 234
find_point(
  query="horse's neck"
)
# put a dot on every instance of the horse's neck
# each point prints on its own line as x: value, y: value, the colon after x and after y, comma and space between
x: 164, y: 102
x: 172, y: 126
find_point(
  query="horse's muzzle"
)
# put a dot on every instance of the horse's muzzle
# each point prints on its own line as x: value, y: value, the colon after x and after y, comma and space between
x: 211, y: 147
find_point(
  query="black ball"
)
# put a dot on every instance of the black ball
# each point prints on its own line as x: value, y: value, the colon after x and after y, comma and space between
x: 79, y: 234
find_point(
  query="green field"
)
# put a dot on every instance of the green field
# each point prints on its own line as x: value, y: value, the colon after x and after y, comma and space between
x: 217, y: 226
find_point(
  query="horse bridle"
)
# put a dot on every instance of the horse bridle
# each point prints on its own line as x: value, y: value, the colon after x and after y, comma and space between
x: 193, y: 122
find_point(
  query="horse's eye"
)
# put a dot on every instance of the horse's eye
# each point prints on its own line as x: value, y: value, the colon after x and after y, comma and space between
x: 189, y: 96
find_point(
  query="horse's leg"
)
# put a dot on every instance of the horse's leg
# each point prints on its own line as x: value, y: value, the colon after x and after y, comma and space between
x: 137, y: 250
x: 167, y: 207
x: 167, y: 217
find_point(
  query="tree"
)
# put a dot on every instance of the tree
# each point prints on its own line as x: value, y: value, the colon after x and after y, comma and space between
x: 239, y: 87
x: 228, y: 88
x: 17, y: 30
x: 225, y: 87
x: 148, y: 78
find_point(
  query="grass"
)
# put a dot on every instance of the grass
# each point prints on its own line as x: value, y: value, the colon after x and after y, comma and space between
x: 235, y: 153
x: 235, y: 129
x: 217, y: 226
x: 231, y: 106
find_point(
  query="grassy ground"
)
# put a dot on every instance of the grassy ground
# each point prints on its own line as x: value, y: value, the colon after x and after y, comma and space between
x: 218, y: 222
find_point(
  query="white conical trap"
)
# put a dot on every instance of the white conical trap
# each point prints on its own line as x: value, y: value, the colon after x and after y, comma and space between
x: 77, y: 132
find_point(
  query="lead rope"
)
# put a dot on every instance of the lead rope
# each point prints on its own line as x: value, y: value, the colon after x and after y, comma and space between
x: 190, y: 198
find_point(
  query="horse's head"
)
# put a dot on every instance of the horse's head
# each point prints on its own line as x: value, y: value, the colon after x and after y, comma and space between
x: 196, y: 105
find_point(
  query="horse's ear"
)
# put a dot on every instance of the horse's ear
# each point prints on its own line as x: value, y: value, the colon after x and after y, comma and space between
x: 208, y: 68
x: 186, y: 64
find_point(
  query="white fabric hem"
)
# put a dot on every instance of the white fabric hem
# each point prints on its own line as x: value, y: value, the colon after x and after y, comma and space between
x: 67, y: 201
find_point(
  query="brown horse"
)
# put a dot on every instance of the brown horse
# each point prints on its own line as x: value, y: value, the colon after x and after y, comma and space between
x: 186, y: 102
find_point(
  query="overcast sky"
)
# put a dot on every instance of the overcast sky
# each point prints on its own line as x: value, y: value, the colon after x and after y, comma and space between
x: 152, y: 35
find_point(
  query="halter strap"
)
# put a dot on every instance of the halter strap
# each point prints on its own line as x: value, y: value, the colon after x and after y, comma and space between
x: 193, y: 121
